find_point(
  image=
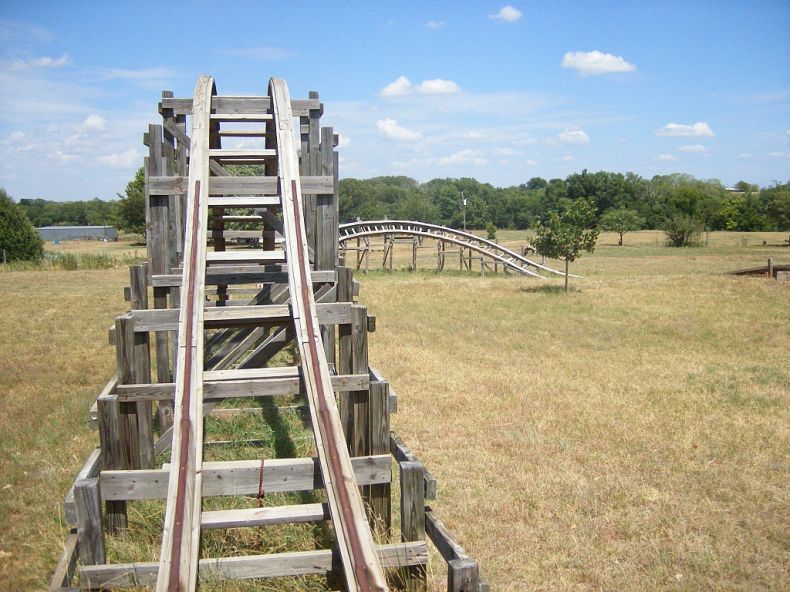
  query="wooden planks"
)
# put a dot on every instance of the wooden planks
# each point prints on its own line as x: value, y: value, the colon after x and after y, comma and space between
x: 240, y: 477
x: 361, y: 566
x: 298, y: 563
x: 181, y: 536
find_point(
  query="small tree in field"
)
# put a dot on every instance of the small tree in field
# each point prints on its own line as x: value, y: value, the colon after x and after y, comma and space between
x: 682, y: 231
x: 564, y: 236
x: 19, y: 240
x: 621, y: 220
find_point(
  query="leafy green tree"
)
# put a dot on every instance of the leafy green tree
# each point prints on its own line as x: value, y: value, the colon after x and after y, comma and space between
x: 565, y: 235
x: 682, y: 230
x: 130, y: 213
x: 621, y: 220
x: 19, y: 240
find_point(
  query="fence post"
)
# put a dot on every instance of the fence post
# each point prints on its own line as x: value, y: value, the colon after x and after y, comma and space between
x: 463, y: 575
x: 90, y: 536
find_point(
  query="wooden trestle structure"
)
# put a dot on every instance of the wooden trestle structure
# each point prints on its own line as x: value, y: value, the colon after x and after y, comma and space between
x: 205, y: 344
x: 468, y: 246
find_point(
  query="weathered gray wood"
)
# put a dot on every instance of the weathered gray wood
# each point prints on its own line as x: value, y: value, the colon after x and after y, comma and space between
x: 379, y: 496
x: 243, y: 186
x: 298, y: 563
x: 240, y: 477
x: 90, y: 469
x: 402, y: 453
x: 448, y: 547
x: 412, y: 516
x: 249, y: 387
x: 248, y: 274
x: 141, y: 370
x: 125, y: 363
x: 250, y: 517
x: 359, y: 441
x: 67, y: 565
x: 109, y: 422
x: 90, y: 536
x: 462, y: 576
x: 252, y: 105
x: 237, y: 316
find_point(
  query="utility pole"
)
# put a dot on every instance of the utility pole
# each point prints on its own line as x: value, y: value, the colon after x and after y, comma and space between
x: 463, y: 201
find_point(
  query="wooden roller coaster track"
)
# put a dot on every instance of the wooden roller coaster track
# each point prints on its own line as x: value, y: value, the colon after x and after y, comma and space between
x: 405, y: 228
x: 220, y: 318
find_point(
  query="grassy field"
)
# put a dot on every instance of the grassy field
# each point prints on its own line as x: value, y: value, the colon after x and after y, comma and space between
x: 630, y: 435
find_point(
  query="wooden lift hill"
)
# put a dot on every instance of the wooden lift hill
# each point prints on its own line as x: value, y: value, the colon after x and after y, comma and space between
x: 225, y: 327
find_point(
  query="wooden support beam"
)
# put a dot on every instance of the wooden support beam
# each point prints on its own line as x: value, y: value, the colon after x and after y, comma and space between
x: 379, y: 496
x: 67, y: 565
x: 90, y: 536
x: 461, y: 569
x: 402, y: 453
x: 109, y: 423
x: 253, y: 517
x: 89, y: 470
x: 412, y: 517
x: 241, y: 477
x: 298, y: 563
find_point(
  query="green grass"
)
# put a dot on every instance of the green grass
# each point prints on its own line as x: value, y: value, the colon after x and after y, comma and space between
x: 632, y: 434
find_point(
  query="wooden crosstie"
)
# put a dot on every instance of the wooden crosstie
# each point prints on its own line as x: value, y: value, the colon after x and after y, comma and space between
x: 221, y: 315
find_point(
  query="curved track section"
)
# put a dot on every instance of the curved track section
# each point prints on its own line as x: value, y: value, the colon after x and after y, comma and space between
x: 467, y: 240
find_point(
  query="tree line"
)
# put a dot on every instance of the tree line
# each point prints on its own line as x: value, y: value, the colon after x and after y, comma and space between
x: 650, y: 203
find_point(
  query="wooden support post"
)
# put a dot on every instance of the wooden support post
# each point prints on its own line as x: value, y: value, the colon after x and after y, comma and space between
x: 412, y: 517
x: 345, y: 287
x: 770, y: 268
x: 125, y: 361
x: 141, y: 366
x: 90, y: 536
x: 378, y: 496
x: 357, y: 434
x: 109, y: 420
x: 462, y: 575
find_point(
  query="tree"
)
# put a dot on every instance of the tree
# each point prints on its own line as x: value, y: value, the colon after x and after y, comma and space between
x: 621, y: 220
x: 682, y: 230
x: 19, y: 240
x: 130, y: 214
x: 564, y: 236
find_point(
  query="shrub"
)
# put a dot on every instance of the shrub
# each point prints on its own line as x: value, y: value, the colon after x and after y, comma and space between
x: 491, y: 231
x: 18, y: 238
x: 682, y: 231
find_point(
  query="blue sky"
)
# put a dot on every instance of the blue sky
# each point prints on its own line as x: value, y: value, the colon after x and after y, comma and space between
x: 500, y: 92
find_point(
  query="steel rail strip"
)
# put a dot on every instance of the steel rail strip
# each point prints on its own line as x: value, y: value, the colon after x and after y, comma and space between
x: 435, y: 231
x: 178, y: 562
x: 361, y: 566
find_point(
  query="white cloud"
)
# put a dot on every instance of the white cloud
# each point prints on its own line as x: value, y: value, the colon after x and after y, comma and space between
x: 531, y: 162
x: 433, y: 25
x: 745, y: 155
x: 63, y: 157
x: 259, y: 54
x: 94, y: 122
x: 574, y: 135
x: 507, y: 13
x: 685, y: 130
x: 14, y: 137
x: 694, y: 148
x: 124, y: 160
x: 389, y: 128
x: 504, y: 151
x: 343, y: 141
x: 590, y: 63
x: 779, y: 154
x: 473, y: 135
x: 402, y: 86
x: 567, y: 158
x: 42, y: 62
x: 437, y: 86
x: 473, y: 157
x: 667, y: 157
x: 144, y: 75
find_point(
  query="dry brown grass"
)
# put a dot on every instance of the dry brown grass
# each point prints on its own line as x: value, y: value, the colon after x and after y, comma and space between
x: 632, y: 434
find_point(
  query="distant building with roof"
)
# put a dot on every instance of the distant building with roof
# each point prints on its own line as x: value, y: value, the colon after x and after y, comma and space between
x: 66, y: 233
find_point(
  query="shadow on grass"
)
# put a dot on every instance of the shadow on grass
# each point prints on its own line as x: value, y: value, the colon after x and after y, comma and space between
x: 547, y: 289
